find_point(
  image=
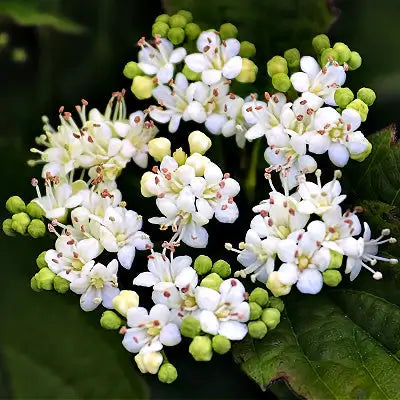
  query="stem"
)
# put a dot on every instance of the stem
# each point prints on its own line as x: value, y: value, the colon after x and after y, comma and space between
x: 251, y: 179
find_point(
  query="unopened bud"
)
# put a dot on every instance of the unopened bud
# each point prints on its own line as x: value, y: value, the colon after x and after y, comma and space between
x: 34, y: 285
x: 192, y: 31
x: 367, y: 95
x: 202, y: 264
x: 277, y: 65
x: 271, y: 317
x: 146, y: 177
x: 354, y: 61
x: 187, y: 14
x: 336, y: 260
x: 212, y: 281
x: 176, y: 35
x: 15, y: 205
x: 343, y: 52
x: 360, y: 107
x: 248, y: 73
x: 259, y: 296
x: 275, y: 286
x: 327, y: 54
x: 199, y: 142
x: 201, y: 348
x: 149, y: 362
x: 292, y: 57
x: 110, y: 320
x: 276, y: 302
x: 45, y: 278
x: 60, y: 284
x: 37, y: 228
x: 247, y: 49
x: 142, y: 87
x: 255, y: 311
x: 41, y: 260
x: 159, y: 148
x: 7, y: 227
x: 190, y: 327
x: 221, y: 344
x: 125, y: 300
x: 160, y: 28
x: 163, y: 18
x: 20, y: 222
x: 222, y: 268
x: 257, y: 329
x: 343, y: 97
x: 167, y: 373
x: 228, y: 31
x: 132, y: 69
x: 180, y: 156
x: 198, y: 162
x: 332, y: 277
x: 34, y: 210
x: 320, y: 43
x: 281, y: 82
x: 177, y: 21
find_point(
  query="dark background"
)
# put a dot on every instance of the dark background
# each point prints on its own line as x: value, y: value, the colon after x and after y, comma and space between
x: 48, y: 347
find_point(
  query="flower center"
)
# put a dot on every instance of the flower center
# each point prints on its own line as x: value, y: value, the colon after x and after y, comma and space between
x: 97, y: 282
x: 303, y: 262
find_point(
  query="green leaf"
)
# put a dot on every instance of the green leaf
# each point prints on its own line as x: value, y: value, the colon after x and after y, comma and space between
x: 340, y: 345
x: 34, y: 13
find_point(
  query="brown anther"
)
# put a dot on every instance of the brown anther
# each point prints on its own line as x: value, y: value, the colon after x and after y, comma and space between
x: 227, y: 175
x: 299, y: 118
x: 215, y: 92
x: 270, y: 222
x: 76, y: 136
x: 78, y: 108
x: 75, y: 254
x: 155, y: 80
x: 59, y: 255
x: 230, y: 200
x: 221, y: 184
x: 84, y: 102
x: 224, y: 207
x: 54, y: 260
x: 233, y: 282
x: 275, y: 99
x: 291, y: 211
x: 324, y: 70
x: 67, y: 115
x: 331, y: 229
x: 267, y: 96
x: 249, y: 109
x: 258, y: 107
x: 90, y: 139
x: 227, y: 82
x: 71, y: 242
x: 303, y: 102
x: 232, y: 96
x: 137, y: 119
x: 206, y: 48
x: 34, y: 182
x: 61, y: 109
x: 264, y: 213
x: 155, y: 169
x: 310, y: 111
x: 97, y: 125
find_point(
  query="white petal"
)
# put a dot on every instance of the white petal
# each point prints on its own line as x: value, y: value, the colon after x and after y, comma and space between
x: 197, y: 62
x: 126, y: 255
x: 165, y: 74
x: 310, y: 66
x: 211, y: 76
x: 146, y: 279
x: 338, y: 154
x: 170, y: 335
x: 232, y: 68
x: 233, y: 330
x: 232, y: 47
x: 177, y: 55
x: 206, y: 298
x: 310, y: 281
x: 209, y: 322
x: 288, y: 274
x: 300, y: 81
x: 215, y: 122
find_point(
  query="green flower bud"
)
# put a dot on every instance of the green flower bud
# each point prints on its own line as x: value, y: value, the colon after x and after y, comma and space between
x: 159, y: 148
x: 7, y: 227
x: 255, y: 310
x: 212, y: 281
x: 247, y: 49
x: 177, y: 21
x: 329, y: 54
x: 277, y: 65
x: 37, y: 228
x: 45, y: 278
x: 367, y: 95
x: 198, y: 162
x: 199, y: 142
x: 281, y: 82
x: 292, y: 56
x: 192, y: 31
x: 191, y: 75
x: 257, y: 329
x: 176, y: 35
x: 34, y: 210
x: 187, y: 14
x: 336, y: 260
x: 15, y: 205
x: 222, y: 268
x: 320, y: 43
x: 190, y: 327
x: 163, y: 18
x: 343, y: 97
x: 221, y: 344
x: 343, y: 52
x: 362, y: 156
x: 34, y: 285
x: 248, y: 73
x: 202, y: 264
x: 20, y: 222
x: 142, y: 87
x: 260, y: 296
x: 271, y: 317
x: 160, y: 28
x: 201, y: 348
x: 125, y: 300
x: 227, y: 31
x: 61, y: 285
x: 180, y: 156
x: 110, y: 320
x: 132, y: 69
x: 167, y: 373
x: 360, y: 107
x: 40, y: 260
x: 355, y: 61
x: 332, y: 277
x: 276, y: 302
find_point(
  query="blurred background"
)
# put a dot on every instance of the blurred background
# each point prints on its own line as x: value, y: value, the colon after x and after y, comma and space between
x: 55, y: 52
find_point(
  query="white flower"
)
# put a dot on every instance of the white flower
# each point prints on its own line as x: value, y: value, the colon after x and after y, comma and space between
x: 322, y: 82
x: 97, y: 284
x: 337, y: 134
x: 150, y: 331
x: 216, y: 59
x: 159, y: 59
x: 223, y: 313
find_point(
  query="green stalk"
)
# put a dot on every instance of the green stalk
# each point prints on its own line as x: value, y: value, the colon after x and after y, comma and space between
x: 251, y: 179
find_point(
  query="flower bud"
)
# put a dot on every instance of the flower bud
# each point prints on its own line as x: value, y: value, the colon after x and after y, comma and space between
x: 159, y: 148
x: 271, y: 317
x: 255, y: 311
x: 212, y: 281
x: 343, y: 52
x: 367, y: 95
x: 167, y: 373
x: 277, y: 65
x: 34, y: 285
x: 363, y: 155
x: 20, y: 222
x: 281, y: 82
x: 248, y: 73
x: 125, y: 300
x: 332, y: 277
x: 247, y: 49
x: 177, y: 21
x: 227, y: 31
x: 180, y: 156
x: 147, y: 176
x: 360, y: 107
x: 198, y: 162
x: 221, y: 344
x: 257, y: 329
x: 15, y: 205
x: 176, y: 35
x: 222, y: 268
x: 336, y: 260
x: 187, y: 14
x: 190, y: 327
x: 110, y: 320
x: 202, y: 264
x: 41, y: 261
x: 355, y: 61
x: 163, y: 18
x: 327, y: 54
x: 320, y: 43
x: 132, y: 69
x: 199, y: 142
x: 192, y: 31
x: 160, y: 28
x: 34, y: 210
x: 292, y: 57
x: 149, y: 362
x: 259, y: 296
x: 276, y: 302
x: 45, y: 278
x: 201, y: 348
x: 275, y: 286
x: 7, y: 227
x: 37, y: 228
x: 60, y: 284
x: 142, y: 87
x: 343, y: 97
